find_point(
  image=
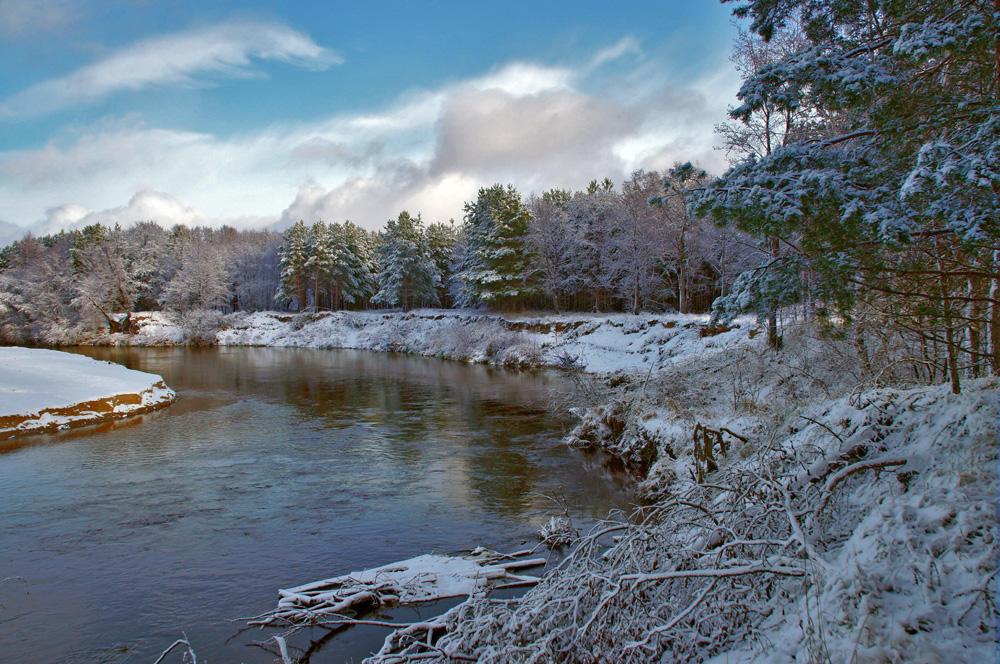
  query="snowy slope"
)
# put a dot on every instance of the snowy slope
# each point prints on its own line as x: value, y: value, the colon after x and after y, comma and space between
x: 591, y: 342
x: 864, y: 530
x: 47, y: 389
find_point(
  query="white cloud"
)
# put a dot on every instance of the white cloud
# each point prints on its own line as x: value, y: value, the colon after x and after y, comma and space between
x: 625, y: 45
x: 524, y: 78
x: 180, y: 58
x: 533, y: 125
x: 563, y: 133
x: 145, y: 205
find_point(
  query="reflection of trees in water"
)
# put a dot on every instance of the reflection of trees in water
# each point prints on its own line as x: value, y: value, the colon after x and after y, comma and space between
x: 481, y: 417
x: 483, y: 420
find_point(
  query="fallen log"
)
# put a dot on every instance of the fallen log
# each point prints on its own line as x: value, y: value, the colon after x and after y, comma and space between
x: 425, y: 578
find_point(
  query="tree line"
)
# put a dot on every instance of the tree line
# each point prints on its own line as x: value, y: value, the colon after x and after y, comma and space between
x: 598, y: 249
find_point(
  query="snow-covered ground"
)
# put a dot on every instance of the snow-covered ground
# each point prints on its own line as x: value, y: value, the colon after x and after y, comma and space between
x: 45, y: 390
x: 596, y: 343
x: 861, y: 528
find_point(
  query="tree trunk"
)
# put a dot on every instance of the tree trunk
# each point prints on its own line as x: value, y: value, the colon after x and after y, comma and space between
x: 974, y: 312
x: 994, y: 319
x: 949, y: 330
x: 772, y: 318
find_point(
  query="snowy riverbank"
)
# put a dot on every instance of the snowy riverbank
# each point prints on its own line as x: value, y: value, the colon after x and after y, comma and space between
x: 860, y: 528
x: 596, y: 343
x: 47, y: 390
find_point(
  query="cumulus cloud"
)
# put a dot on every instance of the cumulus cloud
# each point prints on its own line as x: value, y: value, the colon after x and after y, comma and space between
x: 530, y: 124
x: 145, y: 205
x: 562, y: 133
x: 181, y: 58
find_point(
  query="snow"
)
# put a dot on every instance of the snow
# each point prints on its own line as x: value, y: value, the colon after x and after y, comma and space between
x: 595, y: 343
x: 425, y: 578
x: 35, y: 384
x: 918, y: 557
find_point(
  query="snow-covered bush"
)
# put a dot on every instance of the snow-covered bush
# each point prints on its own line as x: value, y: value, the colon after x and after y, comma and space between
x: 201, y: 326
x: 523, y: 354
x: 558, y: 532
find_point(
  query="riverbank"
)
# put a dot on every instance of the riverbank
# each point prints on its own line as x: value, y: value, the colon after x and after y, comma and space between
x: 595, y: 343
x: 801, y: 505
x: 46, y: 390
x: 857, y: 528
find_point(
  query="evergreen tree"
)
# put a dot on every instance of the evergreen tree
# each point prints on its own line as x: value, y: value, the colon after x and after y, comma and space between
x: 496, y: 261
x: 347, y: 277
x: 294, y: 269
x: 321, y: 263
x: 363, y: 245
x: 896, y: 193
x: 408, y: 276
x: 441, y: 241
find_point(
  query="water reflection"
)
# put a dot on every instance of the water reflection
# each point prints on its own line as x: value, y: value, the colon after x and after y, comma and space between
x: 274, y: 467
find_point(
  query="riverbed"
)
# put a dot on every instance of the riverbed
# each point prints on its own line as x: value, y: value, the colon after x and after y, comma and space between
x: 274, y: 467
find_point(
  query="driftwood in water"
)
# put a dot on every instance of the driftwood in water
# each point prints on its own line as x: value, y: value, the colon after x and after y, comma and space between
x: 343, y: 599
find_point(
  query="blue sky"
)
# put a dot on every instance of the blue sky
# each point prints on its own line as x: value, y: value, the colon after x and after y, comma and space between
x: 255, y: 113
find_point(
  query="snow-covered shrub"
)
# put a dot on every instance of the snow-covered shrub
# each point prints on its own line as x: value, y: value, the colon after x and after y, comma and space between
x: 458, y: 340
x: 522, y: 355
x: 498, y: 340
x: 510, y: 349
x: 352, y: 320
x: 558, y: 532
x: 611, y: 428
x: 201, y: 325
x: 305, y: 318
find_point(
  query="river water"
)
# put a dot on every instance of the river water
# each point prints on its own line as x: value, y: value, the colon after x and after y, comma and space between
x: 273, y: 468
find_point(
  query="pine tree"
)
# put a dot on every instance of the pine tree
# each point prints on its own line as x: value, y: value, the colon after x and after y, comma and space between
x: 294, y: 270
x: 441, y: 241
x: 496, y: 261
x: 363, y: 245
x: 321, y: 263
x: 896, y: 193
x: 408, y: 276
x: 345, y: 276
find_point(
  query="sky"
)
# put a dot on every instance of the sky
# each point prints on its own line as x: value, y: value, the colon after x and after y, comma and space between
x: 259, y: 114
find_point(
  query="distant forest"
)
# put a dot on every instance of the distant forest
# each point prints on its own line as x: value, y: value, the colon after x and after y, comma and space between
x: 600, y: 249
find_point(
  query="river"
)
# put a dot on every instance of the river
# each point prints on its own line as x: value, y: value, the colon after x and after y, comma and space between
x: 273, y: 468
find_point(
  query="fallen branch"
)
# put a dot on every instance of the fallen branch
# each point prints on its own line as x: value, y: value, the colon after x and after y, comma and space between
x: 847, y: 471
x: 188, y: 652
